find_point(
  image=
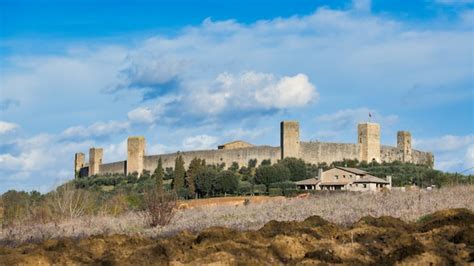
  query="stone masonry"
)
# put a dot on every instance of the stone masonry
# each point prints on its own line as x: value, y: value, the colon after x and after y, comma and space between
x: 367, y: 148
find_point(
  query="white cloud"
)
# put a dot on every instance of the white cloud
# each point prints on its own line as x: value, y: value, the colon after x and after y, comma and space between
x: 452, y: 153
x: 6, y: 127
x: 243, y: 134
x: 200, y: 142
x: 444, y: 143
x: 251, y: 91
x: 115, y: 152
x: 141, y: 115
x: 469, y: 157
x: 99, y: 129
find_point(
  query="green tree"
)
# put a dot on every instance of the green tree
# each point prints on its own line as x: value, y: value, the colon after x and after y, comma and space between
x: 234, y: 167
x: 266, y: 162
x: 158, y: 176
x: 252, y: 163
x: 297, y: 168
x: 204, y: 180
x: 226, y: 182
x: 179, y: 174
x: 193, y: 169
x: 267, y: 174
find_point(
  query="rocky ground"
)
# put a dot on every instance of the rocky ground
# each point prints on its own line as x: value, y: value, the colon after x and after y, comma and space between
x: 444, y: 237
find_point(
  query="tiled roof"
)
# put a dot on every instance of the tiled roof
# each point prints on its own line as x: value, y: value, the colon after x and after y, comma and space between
x: 335, y: 183
x: 352, y: 170
x: 370, y: 179
x: 236, y: 141
x: 309, y: 181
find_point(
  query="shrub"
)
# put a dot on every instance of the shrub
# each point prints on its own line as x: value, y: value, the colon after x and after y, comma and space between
x: 69, y: 202
x: 272, y: 192
x: 160, y: 207
x: 245, y: 188
x: 259, y: 189
x: 292, y: 192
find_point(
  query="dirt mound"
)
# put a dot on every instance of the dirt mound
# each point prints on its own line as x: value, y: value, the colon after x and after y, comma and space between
x: 444, y: 237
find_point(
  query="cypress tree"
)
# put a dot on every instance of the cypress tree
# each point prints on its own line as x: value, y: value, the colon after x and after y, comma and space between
x: 179, y: 173
x: 193, y: 169
x: 158, y: 176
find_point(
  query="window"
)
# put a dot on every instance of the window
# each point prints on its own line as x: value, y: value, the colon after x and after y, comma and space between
x: 343, y: 176
x: 336, y: 176
x: 365, y: 185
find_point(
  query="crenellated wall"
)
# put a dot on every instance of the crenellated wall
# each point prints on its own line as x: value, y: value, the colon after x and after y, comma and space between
x: 114, y: 168
x: 241, y: 156
x: 317, y: 152
x: 367, y: 147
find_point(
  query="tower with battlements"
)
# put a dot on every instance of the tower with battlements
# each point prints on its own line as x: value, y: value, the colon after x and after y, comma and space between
x: 290, y: 139
x: 135, y: 154
x: 404, y: 145
x: 369, y: 142
x: 95, y: 160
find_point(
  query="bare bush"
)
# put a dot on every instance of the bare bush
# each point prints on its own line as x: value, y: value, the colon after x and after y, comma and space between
x: 160, y: 207
x: 69, y: 202
x: 340, y: 208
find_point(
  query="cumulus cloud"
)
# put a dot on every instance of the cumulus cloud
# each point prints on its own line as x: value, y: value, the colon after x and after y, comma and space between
x: 141, y: 115
x: 227, y: 67
x: 6, y: 127
x: 253, y: 91
x: 200, y: 142
x: 99, y: 129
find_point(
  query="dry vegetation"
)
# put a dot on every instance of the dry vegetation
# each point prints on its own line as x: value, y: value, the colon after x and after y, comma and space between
x: 340, y: 208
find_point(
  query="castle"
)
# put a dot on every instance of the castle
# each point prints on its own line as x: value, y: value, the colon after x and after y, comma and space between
x: 367, y: 148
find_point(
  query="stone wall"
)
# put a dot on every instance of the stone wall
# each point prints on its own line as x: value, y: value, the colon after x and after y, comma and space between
x: 241, y: 156
x: 316, y: 152
x: 421, y: 157
x: 390, y: 154
x: 113, y: 168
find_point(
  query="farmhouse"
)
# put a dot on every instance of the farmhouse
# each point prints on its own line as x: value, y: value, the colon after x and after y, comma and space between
x: 345, y: 178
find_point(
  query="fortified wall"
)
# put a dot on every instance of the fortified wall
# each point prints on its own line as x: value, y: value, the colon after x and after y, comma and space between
x: 367, y: 148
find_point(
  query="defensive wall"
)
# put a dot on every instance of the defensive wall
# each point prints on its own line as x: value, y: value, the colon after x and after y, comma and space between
x: 367, y: 148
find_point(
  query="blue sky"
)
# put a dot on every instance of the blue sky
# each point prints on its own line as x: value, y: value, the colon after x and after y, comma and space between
x: 76, y: 74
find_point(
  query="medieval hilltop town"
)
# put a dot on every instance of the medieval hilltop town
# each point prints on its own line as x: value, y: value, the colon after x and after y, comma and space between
x: 368, y: 148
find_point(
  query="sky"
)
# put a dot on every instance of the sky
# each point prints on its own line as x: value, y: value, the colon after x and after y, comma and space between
x: 195, y: 74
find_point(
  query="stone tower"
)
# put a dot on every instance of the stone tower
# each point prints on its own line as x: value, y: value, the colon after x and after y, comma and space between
x: 95, y: 160
x: 369, y: 142
x: 135, y: 154
x: 78, y: 163
x: 290, y: 139
x: 404, y: 145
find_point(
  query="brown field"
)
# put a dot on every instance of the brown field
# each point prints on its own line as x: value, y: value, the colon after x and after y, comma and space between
x: 445, y: 237
x: 276, y: 229
x: 187, y: 204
